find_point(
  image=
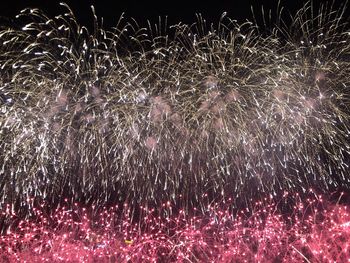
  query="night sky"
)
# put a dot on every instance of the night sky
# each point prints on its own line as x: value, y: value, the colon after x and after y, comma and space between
x: 176, y: 11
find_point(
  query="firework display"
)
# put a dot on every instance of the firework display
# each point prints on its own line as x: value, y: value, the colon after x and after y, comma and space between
x: 316, y: 232
x: 144, y: 115
x: 175, y: 143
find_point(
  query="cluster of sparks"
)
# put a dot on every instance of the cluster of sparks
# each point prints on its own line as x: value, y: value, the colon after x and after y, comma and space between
x: 144, y: 115
x: 314, y: 232
x: 165, y: 120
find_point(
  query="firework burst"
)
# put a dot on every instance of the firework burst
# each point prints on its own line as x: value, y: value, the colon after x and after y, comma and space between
x: 172, y: 113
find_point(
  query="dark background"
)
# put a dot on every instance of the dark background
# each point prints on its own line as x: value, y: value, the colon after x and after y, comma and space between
x: 176, y: 11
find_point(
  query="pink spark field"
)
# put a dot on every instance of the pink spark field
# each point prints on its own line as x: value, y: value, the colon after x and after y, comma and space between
x: 315, y: 231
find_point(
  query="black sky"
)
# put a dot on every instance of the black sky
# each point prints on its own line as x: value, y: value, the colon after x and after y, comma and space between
x: 176, y: 11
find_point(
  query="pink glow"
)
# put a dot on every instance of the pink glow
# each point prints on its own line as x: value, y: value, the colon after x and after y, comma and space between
x: 313, y: 232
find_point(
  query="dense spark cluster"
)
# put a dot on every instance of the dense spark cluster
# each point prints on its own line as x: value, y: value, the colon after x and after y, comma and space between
x: 147, y: 115
x: 314, y: 232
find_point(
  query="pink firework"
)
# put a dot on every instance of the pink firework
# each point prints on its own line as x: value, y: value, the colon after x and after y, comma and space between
x: 314, y: 231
